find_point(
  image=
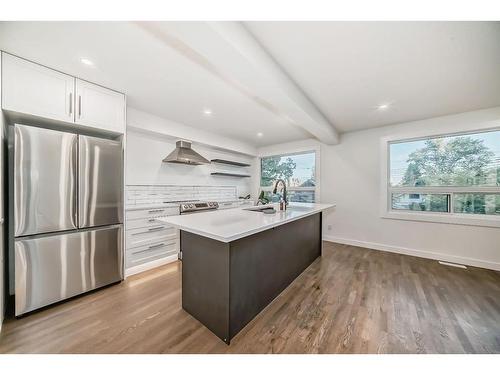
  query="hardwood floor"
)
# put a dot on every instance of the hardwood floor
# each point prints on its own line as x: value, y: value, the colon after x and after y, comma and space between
x: 351, y: 300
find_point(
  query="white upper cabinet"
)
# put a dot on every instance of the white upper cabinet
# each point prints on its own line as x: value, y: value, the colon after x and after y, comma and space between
x: 32, y: 89
x: 36, y: 90
x: 99, y: 107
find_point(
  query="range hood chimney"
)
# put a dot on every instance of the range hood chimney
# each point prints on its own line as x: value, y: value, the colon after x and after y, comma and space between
x: 184, y: 154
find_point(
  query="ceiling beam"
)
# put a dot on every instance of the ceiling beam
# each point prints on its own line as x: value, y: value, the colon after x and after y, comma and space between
x: 230, y: 52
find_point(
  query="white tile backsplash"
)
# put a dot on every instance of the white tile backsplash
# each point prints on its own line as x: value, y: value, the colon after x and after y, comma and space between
x: 152, y: 194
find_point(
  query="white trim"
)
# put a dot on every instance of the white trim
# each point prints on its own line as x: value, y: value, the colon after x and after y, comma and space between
x: 452, y: 265
x: 458, y: 128
x: 450, y: 217
x: 444, y: 189
x: 150, y: 265
x: 298, y: 188
x: 417, y: 253
x: 444, y: 218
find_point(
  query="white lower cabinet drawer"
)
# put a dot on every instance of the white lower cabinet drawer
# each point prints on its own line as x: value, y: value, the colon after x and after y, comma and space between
x: 151, y: 213
x: 154, y: 251
x: 145, y: 236
x: 144, y: 223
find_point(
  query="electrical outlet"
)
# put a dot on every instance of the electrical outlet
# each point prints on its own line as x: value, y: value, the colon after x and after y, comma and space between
x: 329, y: 227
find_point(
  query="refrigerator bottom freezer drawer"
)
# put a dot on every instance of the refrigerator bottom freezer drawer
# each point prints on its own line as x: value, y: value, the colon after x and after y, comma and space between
x: 51, y: 269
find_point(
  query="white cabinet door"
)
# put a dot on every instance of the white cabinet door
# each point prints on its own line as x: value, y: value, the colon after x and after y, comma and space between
x: 36, y: 90
x: 99, y: 107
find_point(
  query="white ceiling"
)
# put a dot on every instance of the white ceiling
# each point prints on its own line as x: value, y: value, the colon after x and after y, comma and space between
x: 156, y: 77
x: 334, y: 73
x: 424, y: 69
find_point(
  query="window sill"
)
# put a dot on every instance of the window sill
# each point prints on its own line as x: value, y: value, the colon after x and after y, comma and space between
x: 459, y: 219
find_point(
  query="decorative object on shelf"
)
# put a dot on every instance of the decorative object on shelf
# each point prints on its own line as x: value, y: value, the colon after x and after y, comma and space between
x: 229, y: 174
x: 229, y: 162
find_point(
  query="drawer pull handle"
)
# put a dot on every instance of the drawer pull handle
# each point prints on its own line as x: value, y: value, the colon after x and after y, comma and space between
x: 157, y: 245
x: 148, y: 249
x: 148, y: 257
x: 147, y: 231
x: 155, y: 228
x: 152, y: 211
x: 152, y: 220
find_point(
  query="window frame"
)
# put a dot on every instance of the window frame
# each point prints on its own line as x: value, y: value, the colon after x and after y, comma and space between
x: 297, y: 151
x: 451, y: 217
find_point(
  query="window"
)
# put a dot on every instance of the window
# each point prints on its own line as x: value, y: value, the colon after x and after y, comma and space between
x: 455, y: 175
x: 298, y: 172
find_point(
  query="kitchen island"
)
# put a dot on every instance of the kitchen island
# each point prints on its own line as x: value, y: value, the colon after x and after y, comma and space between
x: 235, y: 262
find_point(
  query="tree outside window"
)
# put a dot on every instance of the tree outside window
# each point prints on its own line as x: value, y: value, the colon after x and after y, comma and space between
x: 298, y: 172
x: 468, y: 164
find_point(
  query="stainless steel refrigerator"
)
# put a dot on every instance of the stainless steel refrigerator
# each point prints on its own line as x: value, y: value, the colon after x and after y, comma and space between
x: 67, y: 215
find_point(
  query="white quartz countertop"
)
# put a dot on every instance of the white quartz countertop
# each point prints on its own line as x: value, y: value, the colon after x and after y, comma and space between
x: 232, y: 224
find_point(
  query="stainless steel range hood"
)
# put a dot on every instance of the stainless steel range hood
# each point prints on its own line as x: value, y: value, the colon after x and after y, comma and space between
x: 184, y: 154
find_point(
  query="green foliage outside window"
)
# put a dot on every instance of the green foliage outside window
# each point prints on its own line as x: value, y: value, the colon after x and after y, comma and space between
x: 298, y: 172
x: 460, y: 162
x: 457, y: 161
x: 273, y: 168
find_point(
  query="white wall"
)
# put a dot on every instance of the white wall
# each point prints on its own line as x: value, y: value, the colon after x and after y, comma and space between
x: 143, y: 121
x: 350, y: 177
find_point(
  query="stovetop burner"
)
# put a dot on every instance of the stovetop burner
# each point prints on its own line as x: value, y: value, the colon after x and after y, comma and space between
x: 198, y: 206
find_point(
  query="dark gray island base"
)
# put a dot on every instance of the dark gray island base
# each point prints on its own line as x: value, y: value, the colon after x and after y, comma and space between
x: 226, y: 284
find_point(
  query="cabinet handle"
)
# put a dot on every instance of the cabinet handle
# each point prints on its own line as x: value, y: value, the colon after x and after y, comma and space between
x: 155, y: 228
x: 148, y: 231
x: 152, y: 211
x: 151, y: 220
x: 155, y: 246
x: 149, y: 248
x: 79, y: 106
x: 70, y: 103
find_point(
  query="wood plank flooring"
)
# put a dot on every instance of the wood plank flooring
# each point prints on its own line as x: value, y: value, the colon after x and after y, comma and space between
x: 351, y: 300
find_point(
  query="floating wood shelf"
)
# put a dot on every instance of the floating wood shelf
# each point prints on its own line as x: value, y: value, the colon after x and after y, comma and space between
x: 229, y: 174
x: 235, y: 163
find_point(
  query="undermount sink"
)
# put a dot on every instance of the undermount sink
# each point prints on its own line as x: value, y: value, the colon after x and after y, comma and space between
x: 264, y: 209
x: 270, y: 209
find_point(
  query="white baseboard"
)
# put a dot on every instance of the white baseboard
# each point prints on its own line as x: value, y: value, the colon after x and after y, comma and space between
x: 150, y: 265
x: 417, y: 253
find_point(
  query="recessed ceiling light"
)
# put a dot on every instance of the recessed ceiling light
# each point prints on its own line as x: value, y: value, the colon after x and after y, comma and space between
x: 383, y: 107
x: 207, y: 112
x: 86, y: 61
x: 259, y: 134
